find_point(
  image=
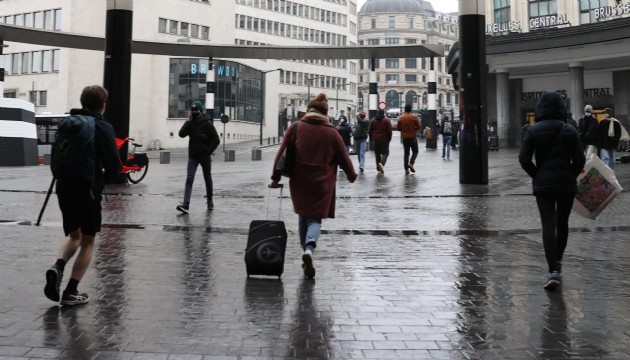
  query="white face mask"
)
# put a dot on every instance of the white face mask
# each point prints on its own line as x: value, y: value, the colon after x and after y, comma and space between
x: 587, y: 113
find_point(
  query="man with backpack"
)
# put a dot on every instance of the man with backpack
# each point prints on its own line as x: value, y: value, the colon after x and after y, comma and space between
x: 447, y: 134
x: 85, y: 145
x: 202, y: 141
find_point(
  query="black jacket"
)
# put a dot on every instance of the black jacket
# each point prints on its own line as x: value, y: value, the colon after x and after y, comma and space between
x: 345, y: 131
x: 603, y: 140
x: 555, y: 146
x: 587, y: 127
x: 202, y: 136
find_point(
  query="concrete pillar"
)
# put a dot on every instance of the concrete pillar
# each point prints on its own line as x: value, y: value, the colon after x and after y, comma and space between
x: 473, y: 155
x: 503, y: 106
x: 576, y: 89
x: 117, y: 72
x: 2, y: 71
x: 373, y: 94
x: 432, y: 104
x: 621, y: 96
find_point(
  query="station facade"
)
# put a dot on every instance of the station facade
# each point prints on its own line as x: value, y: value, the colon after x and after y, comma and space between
x: 581, y: 49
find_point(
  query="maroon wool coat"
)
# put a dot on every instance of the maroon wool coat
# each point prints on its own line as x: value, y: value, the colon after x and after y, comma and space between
x: 320, y: 149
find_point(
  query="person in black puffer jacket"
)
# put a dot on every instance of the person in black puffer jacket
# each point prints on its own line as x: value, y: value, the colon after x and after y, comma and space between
x: 202, y: 141
x: 559, y: 159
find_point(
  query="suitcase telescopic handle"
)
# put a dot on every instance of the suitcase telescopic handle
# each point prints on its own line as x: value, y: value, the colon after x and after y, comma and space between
x: 279, y: 206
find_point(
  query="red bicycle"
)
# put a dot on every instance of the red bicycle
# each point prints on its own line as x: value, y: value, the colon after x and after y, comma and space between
x: 137, y: 164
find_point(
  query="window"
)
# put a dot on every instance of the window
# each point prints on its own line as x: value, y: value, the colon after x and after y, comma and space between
x: 28, y: 19
x: 391, y: 78
x: 392, y: 22
x: 19, y: 20
x: 37, y: 62
x: 162, y: 25
x: 48, y: 20
x: 501, y: 11
x: 26, y: 57
x: 373, y: 41
x: 46, y: 61
x: 391, y: 63
x: 43, y: 98
x: 411, y: 41
x: 392, y: 41
x: 538, y: 8
x: 57, y: 19
x: 32, y: 97
x: 411, y: 63
x: 173, y: 26
x: 39, y: 20
x: 373, y: 23
x: 411, y: 23
x: 6, y: 60
x: 205, y: 32
x: 55, y: 59
x: 587, y: 10
x: 15, y: 64
x: 412, y: 78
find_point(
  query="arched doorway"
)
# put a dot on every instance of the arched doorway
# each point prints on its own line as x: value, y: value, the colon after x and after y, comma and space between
x: 412, y: 98
x: 391, y: 98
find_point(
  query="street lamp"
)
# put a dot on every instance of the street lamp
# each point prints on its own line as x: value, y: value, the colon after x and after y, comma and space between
x: 262, y: 105
x: 308, y: 97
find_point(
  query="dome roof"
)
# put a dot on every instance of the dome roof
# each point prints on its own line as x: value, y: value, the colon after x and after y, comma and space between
x: 391, y: 6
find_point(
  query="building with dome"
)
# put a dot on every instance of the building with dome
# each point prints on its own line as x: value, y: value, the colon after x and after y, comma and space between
x: 405, y: 81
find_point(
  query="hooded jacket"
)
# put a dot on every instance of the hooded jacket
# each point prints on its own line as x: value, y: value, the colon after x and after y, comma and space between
x: 203, y: 137
x: 555, y: 147
x: 346, y: 132
x: 380, y: 129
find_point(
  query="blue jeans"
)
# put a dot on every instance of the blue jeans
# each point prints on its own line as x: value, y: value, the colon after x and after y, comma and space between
x: 310, y: 229
x: 361, y: 149
x: 608, y: 157
x: 446, y: 145
x: 190, y: 178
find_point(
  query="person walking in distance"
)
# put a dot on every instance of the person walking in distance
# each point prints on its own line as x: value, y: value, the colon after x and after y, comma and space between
x: 559, y: 159
x: 319, y: 149
x: 409, y: 124
x: 587, y: 128
x: 345, y: 131
x: 202, y: 141
x: 608, y: 136
x: 380, y: 132
x: 447, y: 135
x: 80, y: 196
x: 360, y: 135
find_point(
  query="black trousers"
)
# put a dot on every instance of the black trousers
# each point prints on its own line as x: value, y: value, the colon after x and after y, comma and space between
x: 554, y: 209
x: 410, y: 144
x: 381, y: 152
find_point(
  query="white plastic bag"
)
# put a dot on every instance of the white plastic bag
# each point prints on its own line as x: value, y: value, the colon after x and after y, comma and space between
x: 597, y: 187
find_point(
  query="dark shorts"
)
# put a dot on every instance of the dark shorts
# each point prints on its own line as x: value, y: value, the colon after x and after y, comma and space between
x: 79, y: 209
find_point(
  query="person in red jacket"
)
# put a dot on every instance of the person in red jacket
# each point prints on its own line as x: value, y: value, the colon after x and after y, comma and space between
x: 319, y: 150
x: 380, y: 133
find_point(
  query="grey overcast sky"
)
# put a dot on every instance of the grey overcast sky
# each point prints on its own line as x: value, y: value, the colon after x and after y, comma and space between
x: 444, y: 6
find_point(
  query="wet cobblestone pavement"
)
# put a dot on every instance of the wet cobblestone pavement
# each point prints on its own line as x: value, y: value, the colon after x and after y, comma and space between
x: 413, y: 267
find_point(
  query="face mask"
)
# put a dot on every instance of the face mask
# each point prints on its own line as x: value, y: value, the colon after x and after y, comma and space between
x: 587, y: 113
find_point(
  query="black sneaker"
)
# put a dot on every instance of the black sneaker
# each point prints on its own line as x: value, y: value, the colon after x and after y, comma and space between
x: 53, y: 282
x: 210, y: 205
x: 75, y: 298
x: 183, y: 208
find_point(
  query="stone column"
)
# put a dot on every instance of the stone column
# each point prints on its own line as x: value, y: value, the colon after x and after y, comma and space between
x: 473, y: 154
x: 576, y: 89
x: 503, y: 106
x: 621, y: 96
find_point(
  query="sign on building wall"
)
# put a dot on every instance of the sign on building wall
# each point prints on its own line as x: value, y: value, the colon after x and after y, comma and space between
x: 610, y: 11
x: 595, y: 93
x: 510, y: 26
x: 548, y: 21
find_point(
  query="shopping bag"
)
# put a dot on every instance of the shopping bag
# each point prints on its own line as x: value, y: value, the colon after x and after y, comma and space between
x: 597, y: 187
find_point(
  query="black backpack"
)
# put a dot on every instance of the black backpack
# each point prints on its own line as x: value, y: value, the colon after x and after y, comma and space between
x: 74, y: 150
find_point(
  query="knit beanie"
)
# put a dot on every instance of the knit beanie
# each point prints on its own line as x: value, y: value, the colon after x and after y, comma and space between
x: 197, y: 105
x: 588, y: 108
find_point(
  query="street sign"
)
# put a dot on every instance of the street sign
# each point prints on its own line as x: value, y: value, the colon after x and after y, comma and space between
x: 225, y: 119
x: 382, y: 105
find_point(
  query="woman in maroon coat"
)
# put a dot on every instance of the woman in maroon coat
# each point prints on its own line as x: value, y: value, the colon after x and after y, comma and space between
x: 319, y: 150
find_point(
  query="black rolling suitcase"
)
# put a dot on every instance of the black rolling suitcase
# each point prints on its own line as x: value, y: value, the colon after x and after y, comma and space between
x: 266, y: 244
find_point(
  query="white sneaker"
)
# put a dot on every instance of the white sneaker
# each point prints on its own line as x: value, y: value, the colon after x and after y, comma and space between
x: 307, y: 258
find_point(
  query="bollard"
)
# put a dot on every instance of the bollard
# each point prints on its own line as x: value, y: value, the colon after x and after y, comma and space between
x: 165, y: 157
x: 230, y: 155
x: 274, y: 139
x: 256, y: 154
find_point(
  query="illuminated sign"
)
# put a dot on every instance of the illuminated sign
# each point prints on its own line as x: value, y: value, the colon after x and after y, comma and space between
x: 221, y: 70
x: 588, y: 94
x: 610, y: 11
x: 547, y: 21
x: 510, y: 26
